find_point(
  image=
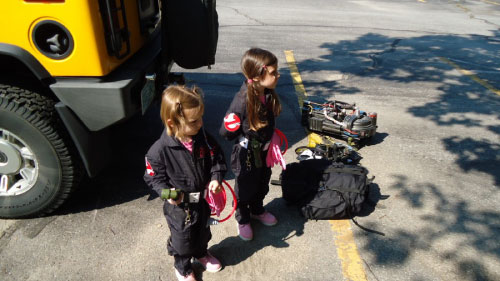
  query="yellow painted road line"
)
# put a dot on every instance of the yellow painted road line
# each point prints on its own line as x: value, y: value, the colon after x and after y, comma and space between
x: 297, y: 80
x: 491, y: 2
x: 423, y: 1
x: 471, y: 76
x: 352, y: 266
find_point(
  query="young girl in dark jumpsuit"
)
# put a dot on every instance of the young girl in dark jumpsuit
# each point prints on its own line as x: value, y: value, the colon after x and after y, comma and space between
x: 250, y: 121
x: 185, y: 158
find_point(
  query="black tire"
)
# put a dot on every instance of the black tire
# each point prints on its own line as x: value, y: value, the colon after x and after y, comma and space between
x: 30, y: 119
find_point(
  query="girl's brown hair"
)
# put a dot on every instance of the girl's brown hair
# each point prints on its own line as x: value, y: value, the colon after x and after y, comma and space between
x: 174, y: 100
x: 253, y: 64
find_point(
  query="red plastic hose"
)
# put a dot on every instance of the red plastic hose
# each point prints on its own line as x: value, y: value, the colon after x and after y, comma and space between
x: 235, y: 204
x: 282, y: 139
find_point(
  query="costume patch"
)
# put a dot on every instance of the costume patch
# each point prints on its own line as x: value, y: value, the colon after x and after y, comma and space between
x: 232, y: 122
x: 202, y: 152
x: 149, y: 169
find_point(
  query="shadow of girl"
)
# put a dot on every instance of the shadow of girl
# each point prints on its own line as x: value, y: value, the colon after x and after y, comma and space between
x: 232, y: 250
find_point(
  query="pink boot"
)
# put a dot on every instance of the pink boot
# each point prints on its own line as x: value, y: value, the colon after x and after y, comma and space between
x: 210, y: 263
x: 189, y: 277
x: 245, y: 231
x: 265, y: 218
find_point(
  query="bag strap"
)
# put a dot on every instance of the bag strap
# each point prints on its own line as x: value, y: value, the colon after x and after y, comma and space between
x: 348, y: 209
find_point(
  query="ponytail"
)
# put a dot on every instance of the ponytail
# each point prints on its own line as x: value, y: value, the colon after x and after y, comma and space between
x: 255, y: 106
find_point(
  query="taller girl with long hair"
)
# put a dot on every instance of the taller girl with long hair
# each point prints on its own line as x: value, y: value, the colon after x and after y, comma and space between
x: 250, y: 122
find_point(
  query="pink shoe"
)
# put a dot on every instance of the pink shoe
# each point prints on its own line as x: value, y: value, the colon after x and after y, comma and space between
x: 210, y: 263
x: 245, y: 231
x: 265, y: 218
x: 189, y: 277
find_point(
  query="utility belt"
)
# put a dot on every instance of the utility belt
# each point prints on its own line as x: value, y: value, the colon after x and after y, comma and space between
x: 255, y: 149
x: 189, y: 197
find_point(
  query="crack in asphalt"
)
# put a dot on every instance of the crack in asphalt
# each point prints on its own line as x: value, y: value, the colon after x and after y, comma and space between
x: 245, y: 15
x: 7, y: 234
x: 472, y: 16
x: 36, y: 229
x: 30, y: 231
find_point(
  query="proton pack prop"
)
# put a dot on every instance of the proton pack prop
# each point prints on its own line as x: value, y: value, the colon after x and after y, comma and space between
x: 339, y: 119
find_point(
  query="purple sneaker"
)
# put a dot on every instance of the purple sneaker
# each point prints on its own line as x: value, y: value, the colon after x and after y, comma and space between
x: 245, y: 231
x: 189, y: 277
x: 210, y: 263
x: 265, y: 218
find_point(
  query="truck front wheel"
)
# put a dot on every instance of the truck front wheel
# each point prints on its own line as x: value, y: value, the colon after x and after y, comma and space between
x: 37, y: 169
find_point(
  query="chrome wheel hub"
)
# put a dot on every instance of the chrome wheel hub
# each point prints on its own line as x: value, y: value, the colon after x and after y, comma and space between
x: 18, y: 165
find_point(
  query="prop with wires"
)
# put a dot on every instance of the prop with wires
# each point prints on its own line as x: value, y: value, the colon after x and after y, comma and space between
x: 219, y: 204
x: 339, y: 119
x: 327, y: 148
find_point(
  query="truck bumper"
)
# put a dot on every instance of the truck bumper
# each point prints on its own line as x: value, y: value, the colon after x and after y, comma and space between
x: 102, y: 102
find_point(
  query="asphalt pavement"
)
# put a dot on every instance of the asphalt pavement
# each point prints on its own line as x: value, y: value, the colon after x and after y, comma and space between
x: 430, y: 69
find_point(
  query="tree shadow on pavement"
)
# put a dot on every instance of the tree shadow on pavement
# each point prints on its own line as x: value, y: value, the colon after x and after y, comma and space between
x: 460, y: 102
x: 426, y: 59
x: 471, y: 228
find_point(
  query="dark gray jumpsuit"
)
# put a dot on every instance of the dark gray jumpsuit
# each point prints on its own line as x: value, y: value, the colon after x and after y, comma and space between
x: 170, y: 165
x: 252, y: 183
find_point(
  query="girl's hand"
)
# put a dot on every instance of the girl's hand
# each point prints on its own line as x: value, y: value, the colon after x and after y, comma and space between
x: 178, y: 201
x: 214, y: 186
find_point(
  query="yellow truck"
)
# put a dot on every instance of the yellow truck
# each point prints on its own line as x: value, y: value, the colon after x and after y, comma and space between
x: 71, y: 69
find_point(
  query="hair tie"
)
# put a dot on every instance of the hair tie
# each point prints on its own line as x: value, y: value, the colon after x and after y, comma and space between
x: 179, y: 109
x: 249, y: 81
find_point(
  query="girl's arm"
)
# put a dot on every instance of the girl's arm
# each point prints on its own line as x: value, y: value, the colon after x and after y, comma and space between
x: 156, y: 175
x: 233, y: 122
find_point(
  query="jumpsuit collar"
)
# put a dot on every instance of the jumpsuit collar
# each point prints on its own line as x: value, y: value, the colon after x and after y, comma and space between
x: 172, y: 141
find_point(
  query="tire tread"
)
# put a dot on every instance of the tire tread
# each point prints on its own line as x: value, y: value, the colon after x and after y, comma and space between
x: 40, y: 112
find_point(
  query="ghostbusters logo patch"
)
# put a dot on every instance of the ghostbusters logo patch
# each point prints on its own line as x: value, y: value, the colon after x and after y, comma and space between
x: 149, y: 169
x: 232, y: 122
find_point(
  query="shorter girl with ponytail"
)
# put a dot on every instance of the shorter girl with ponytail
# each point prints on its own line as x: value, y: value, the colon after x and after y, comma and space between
x: 181, y: 166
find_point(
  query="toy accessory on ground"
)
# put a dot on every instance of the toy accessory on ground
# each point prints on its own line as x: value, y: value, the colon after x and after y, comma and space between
x: 339, y: 119
x: 327, y: 149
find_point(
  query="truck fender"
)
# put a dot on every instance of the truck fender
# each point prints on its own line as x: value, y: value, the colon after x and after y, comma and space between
x: 27, y: 59
x: 93, y: 146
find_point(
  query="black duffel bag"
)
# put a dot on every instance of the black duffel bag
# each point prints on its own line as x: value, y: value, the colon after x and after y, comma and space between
x: 326, y: 190
x: 340, y: 194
